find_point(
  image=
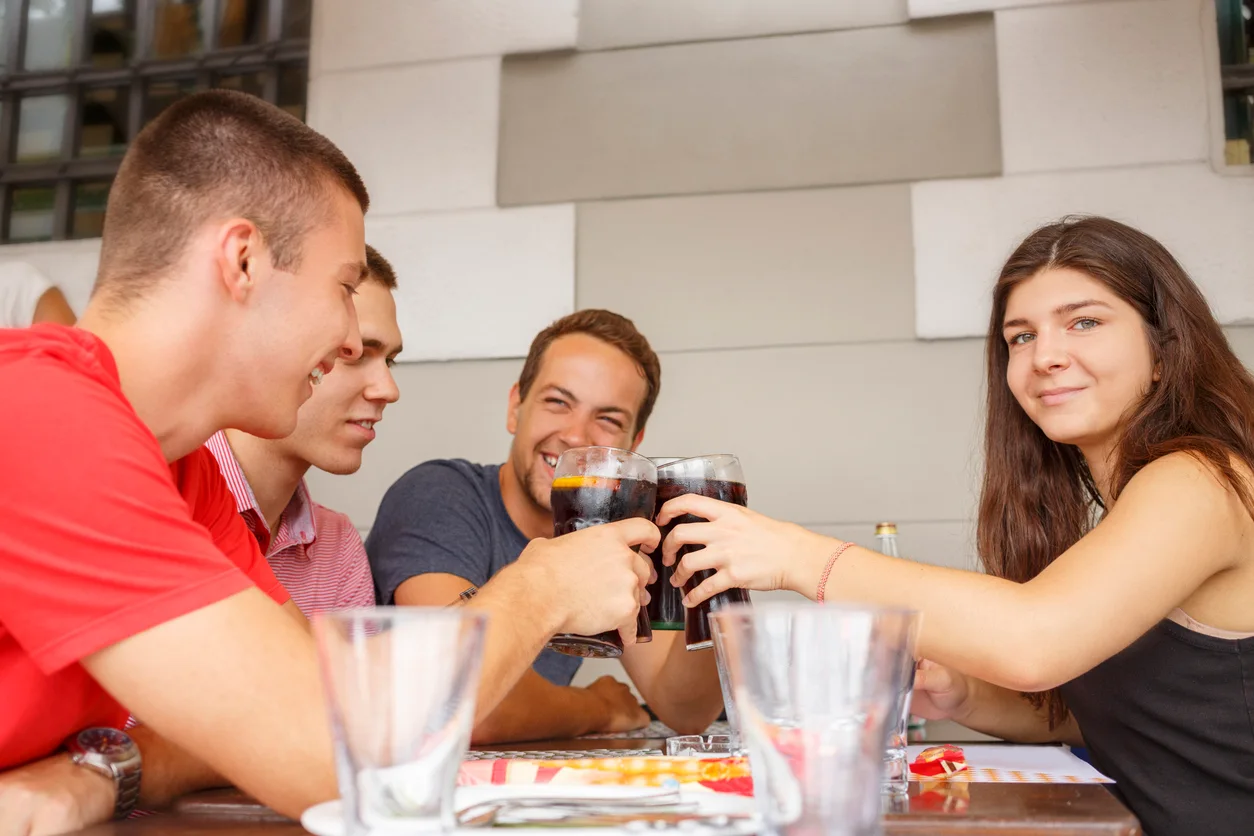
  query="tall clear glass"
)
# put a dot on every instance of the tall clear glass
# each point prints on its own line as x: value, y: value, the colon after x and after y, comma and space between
x: 815, y: 687
x: 593, y: 486
x: 401, y: 685
x: 718, y: 476
x: 896, y: 761
x: 717, y: 633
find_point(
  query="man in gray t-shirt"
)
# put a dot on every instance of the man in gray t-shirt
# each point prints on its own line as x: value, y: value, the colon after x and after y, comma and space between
x: 590, y: 379
x: 447, y: 517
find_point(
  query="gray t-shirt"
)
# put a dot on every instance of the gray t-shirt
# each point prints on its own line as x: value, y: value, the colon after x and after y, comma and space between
x: 448, y: 516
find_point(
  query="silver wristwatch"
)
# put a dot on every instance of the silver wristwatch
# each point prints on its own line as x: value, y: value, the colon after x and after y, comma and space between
x: 113, y: 754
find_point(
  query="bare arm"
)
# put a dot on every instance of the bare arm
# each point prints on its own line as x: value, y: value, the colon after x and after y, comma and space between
x: 944, y: 694
x: 584, y: 582
x: 680, y: 686
x: 1174, y: 528
x: 299, y: 617
x: 169, y: 771
x: 534, y: 709
x: 236, y: 683
x: 516, y: 632
x: 52, y: 307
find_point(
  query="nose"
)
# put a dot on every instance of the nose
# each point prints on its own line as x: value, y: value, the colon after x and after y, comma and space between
x: 382, y: 387
x: 1049, y: 352
x: 351, y: 348
x: 575, y: 432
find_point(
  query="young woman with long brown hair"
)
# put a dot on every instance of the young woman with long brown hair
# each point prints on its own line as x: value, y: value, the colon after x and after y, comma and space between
x: 1116, y: 530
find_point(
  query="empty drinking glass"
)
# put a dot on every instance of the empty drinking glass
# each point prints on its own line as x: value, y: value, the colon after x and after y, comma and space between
x: 815, y: 687
x: 699, y: 745
x: 724, y: 682
x: 400, y: 685
x: 896, y: 763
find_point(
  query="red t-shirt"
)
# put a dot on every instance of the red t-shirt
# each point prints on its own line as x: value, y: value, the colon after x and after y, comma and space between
x: 100, y: 537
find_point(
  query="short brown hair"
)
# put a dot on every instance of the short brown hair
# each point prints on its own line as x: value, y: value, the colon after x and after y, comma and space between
x: 379, y: 269
x: 608, y: 327
x: 217, y: 154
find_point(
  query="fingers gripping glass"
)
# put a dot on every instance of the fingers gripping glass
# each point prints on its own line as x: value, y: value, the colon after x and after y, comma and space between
x: 593, y: 486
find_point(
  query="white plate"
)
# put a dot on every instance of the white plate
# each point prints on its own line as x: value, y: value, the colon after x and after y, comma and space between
x: 327, y: 819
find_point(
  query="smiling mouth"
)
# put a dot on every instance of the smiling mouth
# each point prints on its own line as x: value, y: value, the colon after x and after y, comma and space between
x: 1057, y: 396
x: 369, y: 425
x: 551, y: 461
x: 315, y: 376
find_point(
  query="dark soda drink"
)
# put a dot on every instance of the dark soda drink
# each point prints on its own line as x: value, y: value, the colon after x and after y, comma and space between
x: 582, y: 501
x: 696, y: 620
x: 666, y: 602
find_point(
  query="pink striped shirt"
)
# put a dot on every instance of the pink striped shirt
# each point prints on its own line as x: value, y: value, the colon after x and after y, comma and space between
x: 316, y: 553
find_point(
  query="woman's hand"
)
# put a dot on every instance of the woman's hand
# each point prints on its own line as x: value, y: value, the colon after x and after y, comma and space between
x: 747, y: 550
x: 940, y: 693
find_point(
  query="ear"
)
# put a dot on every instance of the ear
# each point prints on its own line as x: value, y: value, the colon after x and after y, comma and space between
x: 238, y: 257
x: 635, y: 445
x: 511, y: 415
x: 1158, y: 371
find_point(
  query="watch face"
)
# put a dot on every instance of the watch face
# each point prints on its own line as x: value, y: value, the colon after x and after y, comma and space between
x: 107, y: 742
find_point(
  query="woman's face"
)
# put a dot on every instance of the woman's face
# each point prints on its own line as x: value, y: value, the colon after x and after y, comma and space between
x: 1080, y: 357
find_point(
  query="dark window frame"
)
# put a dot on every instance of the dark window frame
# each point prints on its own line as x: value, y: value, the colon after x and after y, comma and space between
x: 1236, y: 73
x: 269, y: 57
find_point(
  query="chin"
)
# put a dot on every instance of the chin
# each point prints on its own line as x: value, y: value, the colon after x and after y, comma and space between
x: 543, y: 496
x: 339, y: 468
x: 1065, y: 434
x: 272, y: 429
x: 336, y: 460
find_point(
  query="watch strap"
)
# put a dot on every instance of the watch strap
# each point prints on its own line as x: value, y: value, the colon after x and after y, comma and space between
x: 127, y: 783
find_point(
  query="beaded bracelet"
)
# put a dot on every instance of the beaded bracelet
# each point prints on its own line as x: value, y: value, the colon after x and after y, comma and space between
x: 827, y: 570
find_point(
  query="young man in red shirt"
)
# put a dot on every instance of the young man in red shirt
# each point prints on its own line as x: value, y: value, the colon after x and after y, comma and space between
x: 233, y: 243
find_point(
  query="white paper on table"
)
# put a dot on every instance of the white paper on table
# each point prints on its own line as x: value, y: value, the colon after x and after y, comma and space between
x: 1015, y: 764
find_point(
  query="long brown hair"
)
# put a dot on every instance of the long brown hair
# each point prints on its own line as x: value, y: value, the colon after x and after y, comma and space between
x: 1039, y: 497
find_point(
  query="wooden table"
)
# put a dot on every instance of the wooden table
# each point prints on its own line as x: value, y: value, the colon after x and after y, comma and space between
x: 943, y: 809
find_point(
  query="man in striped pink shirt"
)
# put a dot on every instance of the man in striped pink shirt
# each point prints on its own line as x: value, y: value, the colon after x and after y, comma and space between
x: 315, y: 552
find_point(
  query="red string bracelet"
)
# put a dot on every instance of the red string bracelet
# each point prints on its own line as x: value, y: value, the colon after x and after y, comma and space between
x: 827, y: 570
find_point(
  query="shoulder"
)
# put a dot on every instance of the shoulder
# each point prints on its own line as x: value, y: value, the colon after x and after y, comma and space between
x: 199, y: 478
x: 63, y: 399
x: 64, y: 362
x: 443, y: 482
x: 336, y: 525
x: 1187, y: 482
x: 1193, y: 469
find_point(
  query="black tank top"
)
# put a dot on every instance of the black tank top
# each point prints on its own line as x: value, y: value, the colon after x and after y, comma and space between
x: 1171, y: 719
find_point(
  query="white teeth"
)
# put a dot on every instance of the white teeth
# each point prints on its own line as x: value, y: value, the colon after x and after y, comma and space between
x: 316, y: 376
x: 551, y: 461
x: 367, y: 424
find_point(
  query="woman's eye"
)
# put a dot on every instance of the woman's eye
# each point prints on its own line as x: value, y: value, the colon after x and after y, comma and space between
x: 1085, y: 324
